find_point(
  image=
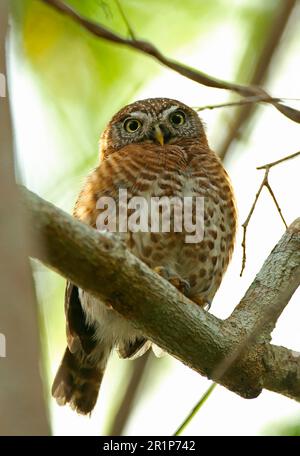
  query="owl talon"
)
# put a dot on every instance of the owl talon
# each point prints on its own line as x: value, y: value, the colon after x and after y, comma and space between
x: 162, y: 271
x: 182, y: 285
x: 207, y: 305
x: 109, y: 305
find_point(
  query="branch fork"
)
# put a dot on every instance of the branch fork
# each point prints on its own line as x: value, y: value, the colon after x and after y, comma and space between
x: 235, y: 352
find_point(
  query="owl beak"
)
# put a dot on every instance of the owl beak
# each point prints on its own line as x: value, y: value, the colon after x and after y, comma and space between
x: 158, y: 135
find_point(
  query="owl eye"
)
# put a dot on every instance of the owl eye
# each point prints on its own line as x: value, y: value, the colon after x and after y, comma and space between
x: 132, y: 125
x: 177, y: 118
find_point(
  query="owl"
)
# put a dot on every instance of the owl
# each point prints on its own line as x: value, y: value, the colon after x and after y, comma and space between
x: 151, y: 148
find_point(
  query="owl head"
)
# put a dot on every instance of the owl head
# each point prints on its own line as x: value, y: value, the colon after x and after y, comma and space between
x: 155, y: 120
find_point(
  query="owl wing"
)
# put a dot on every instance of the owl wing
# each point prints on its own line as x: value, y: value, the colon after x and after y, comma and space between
x: 114, y: 173
x: 80, y: 335
x: 133, y: 350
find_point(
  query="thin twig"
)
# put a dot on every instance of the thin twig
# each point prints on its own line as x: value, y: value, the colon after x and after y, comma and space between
x: 245, y: 101
x: 124, y: 17
x: 281, y: 160
x: 264, y: 183
x: 124, y: 411
x: 267, y: 185
x: 190, y: 73
x: 106, y: 9
x: 196, y: 409
x: 245, y: 225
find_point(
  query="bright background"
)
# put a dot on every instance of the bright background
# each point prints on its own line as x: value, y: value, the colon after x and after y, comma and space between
x: 66, y: 85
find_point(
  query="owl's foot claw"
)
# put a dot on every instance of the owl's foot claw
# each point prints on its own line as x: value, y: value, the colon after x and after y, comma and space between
x: 205, y: 304
x: 109, y: 305
x: 162, y: 271
x: 182, y: 285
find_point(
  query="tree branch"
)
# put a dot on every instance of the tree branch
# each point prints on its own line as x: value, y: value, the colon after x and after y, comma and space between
x: 190, y: 73
x: 100, y: 263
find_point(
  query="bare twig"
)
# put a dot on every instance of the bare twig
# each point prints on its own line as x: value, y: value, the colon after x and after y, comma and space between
x: 124, y: 17
x: 264, y: 183
x: 281, y: 160
x: 196, y: 409
x: 125, y: 408
x: 106, y: 9
x: 245, y: 101
x: 190, y: 73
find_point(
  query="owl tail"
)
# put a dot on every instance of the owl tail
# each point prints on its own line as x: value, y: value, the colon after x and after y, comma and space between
x: 78, y: 380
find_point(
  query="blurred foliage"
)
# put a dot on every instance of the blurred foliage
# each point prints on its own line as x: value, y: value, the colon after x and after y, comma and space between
x: 290, y: 427
x: 258, y: 23
x: 84, y: 80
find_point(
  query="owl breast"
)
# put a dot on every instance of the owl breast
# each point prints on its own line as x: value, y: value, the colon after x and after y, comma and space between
x: 193, y: 178
x: 171, y: 171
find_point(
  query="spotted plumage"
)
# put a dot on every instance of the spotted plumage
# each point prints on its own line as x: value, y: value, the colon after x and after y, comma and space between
x: 155, y: 147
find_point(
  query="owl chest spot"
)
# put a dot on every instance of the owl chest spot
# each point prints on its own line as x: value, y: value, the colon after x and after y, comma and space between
x: 201, y: 263
x: 165, y: 246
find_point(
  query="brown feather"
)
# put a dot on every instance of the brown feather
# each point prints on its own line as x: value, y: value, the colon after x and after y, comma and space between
x: 76, y: 321
x: 77, y: 382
